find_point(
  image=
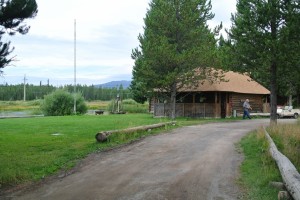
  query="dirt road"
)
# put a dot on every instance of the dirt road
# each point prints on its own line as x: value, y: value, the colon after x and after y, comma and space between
x: 195, y: 162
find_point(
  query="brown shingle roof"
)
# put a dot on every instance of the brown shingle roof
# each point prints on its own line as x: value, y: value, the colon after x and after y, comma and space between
x: 234, y: 82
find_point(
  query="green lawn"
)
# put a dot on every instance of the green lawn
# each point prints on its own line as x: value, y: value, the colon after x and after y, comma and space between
x: 32, y: 148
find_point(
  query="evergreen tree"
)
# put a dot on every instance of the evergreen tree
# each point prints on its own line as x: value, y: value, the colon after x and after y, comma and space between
x: 288, y: 75
x: 12, y: 15
x: 260, y: 40
x: 176, y: 43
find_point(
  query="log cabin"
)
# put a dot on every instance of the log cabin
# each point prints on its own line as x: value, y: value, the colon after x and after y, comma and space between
x: 219, y: 99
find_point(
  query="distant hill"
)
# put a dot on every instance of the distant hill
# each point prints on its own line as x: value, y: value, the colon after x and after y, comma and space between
x: 114, y: 84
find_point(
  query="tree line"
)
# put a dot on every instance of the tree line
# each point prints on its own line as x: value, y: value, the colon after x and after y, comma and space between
x: 90, y: 93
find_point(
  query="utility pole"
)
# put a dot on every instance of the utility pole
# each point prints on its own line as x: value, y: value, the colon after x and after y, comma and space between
x: 75, y: 66
x: 25, y: 87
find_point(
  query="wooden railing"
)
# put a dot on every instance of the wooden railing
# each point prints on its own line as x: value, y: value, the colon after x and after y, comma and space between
x: 186, y: 109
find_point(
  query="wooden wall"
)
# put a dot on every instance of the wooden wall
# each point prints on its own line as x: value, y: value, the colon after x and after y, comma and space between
x: 256, y: 102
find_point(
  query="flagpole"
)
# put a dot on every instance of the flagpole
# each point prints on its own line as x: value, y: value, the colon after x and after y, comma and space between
x: 75, y: 66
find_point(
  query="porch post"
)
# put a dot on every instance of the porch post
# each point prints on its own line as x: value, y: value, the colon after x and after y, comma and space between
x: 216, y: 104
x: 194, y: 109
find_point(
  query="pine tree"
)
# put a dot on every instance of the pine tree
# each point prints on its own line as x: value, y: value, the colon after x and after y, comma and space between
x: 258, y: 36
x: 176, y: 42
x: 288, y: 75
x: 12, y: 16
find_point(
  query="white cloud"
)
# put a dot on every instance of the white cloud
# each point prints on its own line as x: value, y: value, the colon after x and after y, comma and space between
x: 222, y: 10
x: 106, y: 33
x: 56, y: 18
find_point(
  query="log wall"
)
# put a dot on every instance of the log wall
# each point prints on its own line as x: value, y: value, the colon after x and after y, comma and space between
x: 256, y: 102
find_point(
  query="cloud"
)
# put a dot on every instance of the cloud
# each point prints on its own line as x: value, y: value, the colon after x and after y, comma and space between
x: 56, y: 18
x: 222, y: 10
x: 106, y: 33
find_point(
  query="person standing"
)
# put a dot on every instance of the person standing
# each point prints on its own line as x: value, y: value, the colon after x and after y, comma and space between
x: 246, y: 107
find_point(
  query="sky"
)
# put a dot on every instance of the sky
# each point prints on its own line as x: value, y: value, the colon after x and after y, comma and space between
x: 106, y: 33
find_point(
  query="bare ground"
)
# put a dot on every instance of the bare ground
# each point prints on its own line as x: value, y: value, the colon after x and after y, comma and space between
x: 195, y: 162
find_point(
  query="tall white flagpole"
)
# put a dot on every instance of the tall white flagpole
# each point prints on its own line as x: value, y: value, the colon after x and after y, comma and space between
x: 75, y: 66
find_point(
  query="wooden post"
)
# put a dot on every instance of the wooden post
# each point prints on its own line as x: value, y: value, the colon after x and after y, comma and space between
x: 216, y: 105
x: 193, y: 107
x: 289, y: 173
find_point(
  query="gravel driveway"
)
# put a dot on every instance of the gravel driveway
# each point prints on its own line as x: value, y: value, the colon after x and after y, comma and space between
x: 195, y: 162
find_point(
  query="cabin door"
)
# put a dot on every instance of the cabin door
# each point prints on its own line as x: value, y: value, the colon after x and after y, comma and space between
x: 223, y: 104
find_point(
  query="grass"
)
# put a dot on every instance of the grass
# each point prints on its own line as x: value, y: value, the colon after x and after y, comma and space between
x: 258, y: 168
x: 19, y: 105
x: 287, y: 140
x: 29, y: 107
x: 129, y: 106
x: 33, y: 107
x: 32, y: 148
x: 97, y: 105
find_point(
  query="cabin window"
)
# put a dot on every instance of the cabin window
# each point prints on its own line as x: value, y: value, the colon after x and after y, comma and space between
x: 205, y: 97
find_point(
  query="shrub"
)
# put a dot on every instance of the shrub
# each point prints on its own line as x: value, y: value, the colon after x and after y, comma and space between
x: 81, y: 106
x: 129, y: 102
x: 61, y: 102
x: 129, y: 106
x: 35, y: 102
x: 113, y: 106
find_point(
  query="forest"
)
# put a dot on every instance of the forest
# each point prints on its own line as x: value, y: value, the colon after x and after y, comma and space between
x: 90, y: 93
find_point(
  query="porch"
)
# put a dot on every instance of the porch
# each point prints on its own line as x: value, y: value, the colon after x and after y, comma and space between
x: 198, y: 110
x: 210, y: 105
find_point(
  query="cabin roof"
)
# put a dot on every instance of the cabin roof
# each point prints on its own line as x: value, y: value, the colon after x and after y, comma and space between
x: 233, y: 82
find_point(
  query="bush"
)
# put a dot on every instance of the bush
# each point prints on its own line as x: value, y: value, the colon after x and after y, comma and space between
x: 61, y: 102
x: 129, y: 102
x: 128, y: 106
x: 113, y: 106
x: 34, y: 102
x: 81, y: 106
